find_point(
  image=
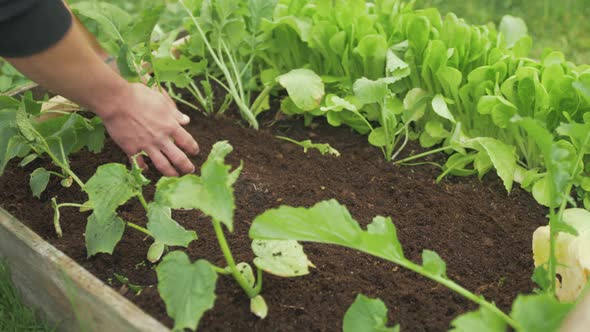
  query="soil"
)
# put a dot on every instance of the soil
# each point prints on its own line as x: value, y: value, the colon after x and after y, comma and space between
x: 482, y: 233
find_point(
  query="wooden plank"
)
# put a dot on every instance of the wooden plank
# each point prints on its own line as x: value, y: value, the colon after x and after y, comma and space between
x: 65, y: 294
x: 579, y: 319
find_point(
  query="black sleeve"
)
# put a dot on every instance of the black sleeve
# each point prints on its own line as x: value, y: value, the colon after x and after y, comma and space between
x: 28, y: 27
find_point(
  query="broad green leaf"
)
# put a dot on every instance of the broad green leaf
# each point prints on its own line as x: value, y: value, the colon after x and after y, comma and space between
x: 328, y: 222
x: 166, y: 230
x: 188, y: 289
x: 558, y: 156
x: 450, y: 78
x: 395, y: 67
x: 483, y: 164
x: 260, y: 10
x: 440, y: 107
x: 542, y: 192
x: 502, y: 156
x: 367, y: 315
x: 281, y: 258
x: 539, y: 313
x: 125, y: 63
x: 418, y: 32
x: 25, y: 127
x: 436, y: 129
x: 258, y: 306
x: 7, y: 103
x: 39, y: 181
x: 513, y: 29
x: 112, y: 20
x: 305, y: 88
x: 481, y: 320
x: 141, y: 30
x: 377, y: 137
x: 103, y: 233
x: 212, y: 192
x: 415, y: 104
x: 7, y: 138
x: 110, y: 187
x: 373, y: 51
x: 432, y: 263
x: 542, y: 277
x: 5, y: 83
x: 337, y: 104
x: 178, y: 71
x: 427, y: 141
x: 368, y: 91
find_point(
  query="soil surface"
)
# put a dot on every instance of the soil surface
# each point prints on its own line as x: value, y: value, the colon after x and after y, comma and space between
x: 482, y: 233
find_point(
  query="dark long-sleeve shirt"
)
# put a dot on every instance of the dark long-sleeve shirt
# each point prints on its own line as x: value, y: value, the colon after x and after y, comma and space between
x: 28, y: 27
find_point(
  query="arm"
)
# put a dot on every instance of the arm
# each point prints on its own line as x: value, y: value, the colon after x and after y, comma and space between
x: 136, y: 117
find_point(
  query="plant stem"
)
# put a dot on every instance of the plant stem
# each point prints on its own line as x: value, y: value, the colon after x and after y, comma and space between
x: 405, y: 263
x: 220, y: 270
x: 71, y: 205
x: 225, y: 70
x: 423, y: 154
x: 65, y: 168
x: 142, y: 201
x: 461, y: 291
x: 139, y: 228
x: 251, y: 292
x: 182, y: 101
x: 258, y: 287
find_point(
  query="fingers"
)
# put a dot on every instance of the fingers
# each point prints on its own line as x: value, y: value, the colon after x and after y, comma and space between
x: 162, y: 163
x: 186, y: 141
x: 178, y: 158
x: 183, y: 119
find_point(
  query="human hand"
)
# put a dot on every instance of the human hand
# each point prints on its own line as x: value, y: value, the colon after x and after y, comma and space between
x: 143, y: 119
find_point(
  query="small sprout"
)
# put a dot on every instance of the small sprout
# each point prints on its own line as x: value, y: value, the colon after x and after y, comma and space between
x: 323, y: 148
x: 137, y: 289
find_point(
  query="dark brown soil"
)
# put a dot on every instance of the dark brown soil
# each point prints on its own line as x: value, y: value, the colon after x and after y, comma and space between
x: 483, y: 234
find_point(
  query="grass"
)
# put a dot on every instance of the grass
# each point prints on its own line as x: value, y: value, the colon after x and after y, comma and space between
x: 557, y: 25
x: 14, y: 315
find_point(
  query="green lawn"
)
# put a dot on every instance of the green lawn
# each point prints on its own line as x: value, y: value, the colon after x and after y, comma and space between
x: 14, y: 315
x: 559, y: 25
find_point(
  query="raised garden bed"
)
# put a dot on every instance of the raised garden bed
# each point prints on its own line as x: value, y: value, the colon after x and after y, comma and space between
x: 482, y: 233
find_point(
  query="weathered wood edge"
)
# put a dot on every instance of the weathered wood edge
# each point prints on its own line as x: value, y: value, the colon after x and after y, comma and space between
x: 65, y: 294
x: 579, y: 319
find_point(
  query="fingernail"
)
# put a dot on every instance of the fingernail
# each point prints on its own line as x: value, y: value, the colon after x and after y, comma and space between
x: 185, y: 118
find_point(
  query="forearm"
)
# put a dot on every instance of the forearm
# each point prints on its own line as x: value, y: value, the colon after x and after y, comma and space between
x: 73, y: 69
